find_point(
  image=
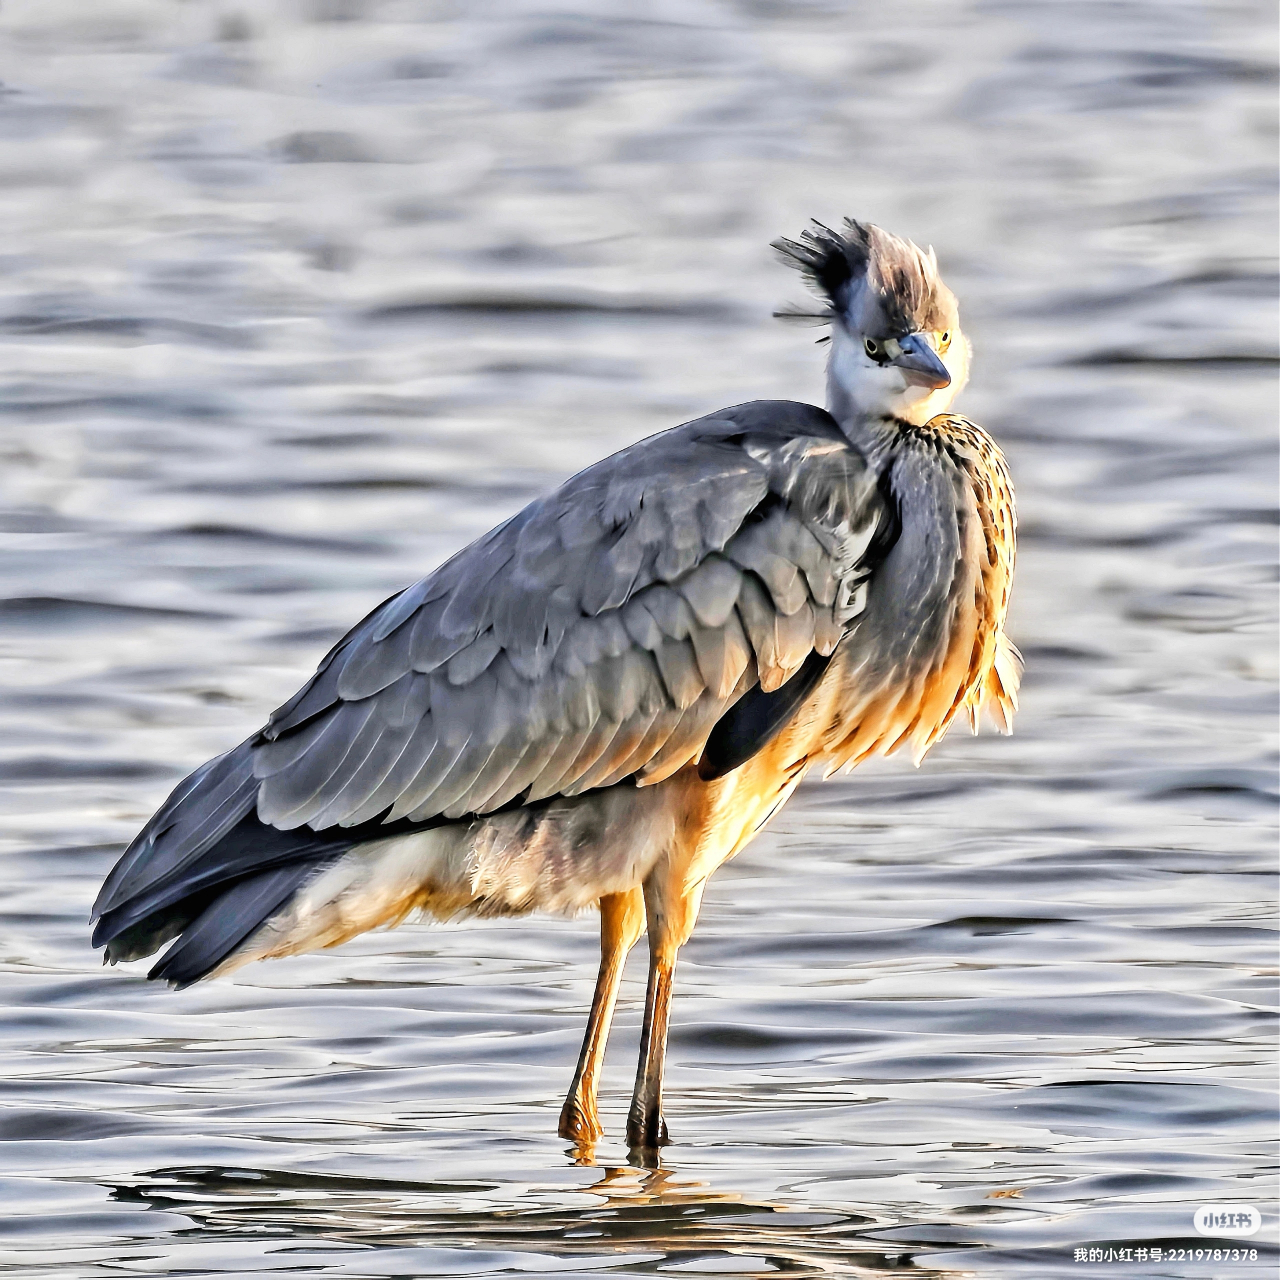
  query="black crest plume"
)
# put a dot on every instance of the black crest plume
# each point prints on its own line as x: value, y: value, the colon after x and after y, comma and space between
x: 829, y: 262
x: 902, y: 278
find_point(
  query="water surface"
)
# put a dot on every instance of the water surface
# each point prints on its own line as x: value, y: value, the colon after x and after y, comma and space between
x: 300, y: 298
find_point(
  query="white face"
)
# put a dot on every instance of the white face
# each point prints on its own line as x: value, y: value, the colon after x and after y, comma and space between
x: 869, y: 387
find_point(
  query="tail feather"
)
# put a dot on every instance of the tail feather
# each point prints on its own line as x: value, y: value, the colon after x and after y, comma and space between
x: 227, y: 921
x: 148, y: 935
x: 250, y: 847
x: 202, y: 809
x: 208, y: 871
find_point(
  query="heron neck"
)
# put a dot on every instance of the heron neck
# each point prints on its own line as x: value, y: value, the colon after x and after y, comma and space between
x: 871, y: 434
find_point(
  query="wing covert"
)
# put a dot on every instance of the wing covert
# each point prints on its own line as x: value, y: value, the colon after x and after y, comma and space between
x: 598, y: 634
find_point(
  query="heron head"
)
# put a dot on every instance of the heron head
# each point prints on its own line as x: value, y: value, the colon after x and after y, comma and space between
x: 896, y: 346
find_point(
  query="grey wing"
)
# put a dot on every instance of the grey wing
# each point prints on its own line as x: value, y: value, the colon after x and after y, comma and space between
x: 599, y: 634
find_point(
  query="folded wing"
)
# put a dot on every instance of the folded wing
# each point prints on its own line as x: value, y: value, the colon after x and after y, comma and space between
x: 599, y: 634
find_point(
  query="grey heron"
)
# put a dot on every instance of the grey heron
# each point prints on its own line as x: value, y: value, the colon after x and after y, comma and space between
x: 607, y: 696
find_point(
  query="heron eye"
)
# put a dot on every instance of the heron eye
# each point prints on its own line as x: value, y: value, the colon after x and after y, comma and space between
x: 944, y: 341
x: 873, y: 347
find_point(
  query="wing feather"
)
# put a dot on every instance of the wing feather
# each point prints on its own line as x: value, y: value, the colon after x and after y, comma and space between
x: 685, y: 743
x: 641, y: 626
x: 762, y: 548
x: 358, y: 770
x: 406, y: 765
x: 660, y: 731
x: 435, y: 766
x: 363, y: 784
x: 609, y: 765
x: 298, y: 792
x: 722, y: 654
x: 758, y: 617
x: 711, y: 591
x: 548, y: 781
x: 468, y: 663
x: 598, y: 634
x: 369, y: 667
x: 680, y: 672
x: 511, y: 771
x: 429, y: 646
x: 593, y: 747
x: 670, y: 611
x: 794, y: 636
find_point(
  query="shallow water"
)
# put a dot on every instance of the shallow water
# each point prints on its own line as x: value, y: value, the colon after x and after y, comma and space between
x: 298, y: 299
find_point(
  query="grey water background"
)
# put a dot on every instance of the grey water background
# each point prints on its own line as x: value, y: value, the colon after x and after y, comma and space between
x: 296, y: 299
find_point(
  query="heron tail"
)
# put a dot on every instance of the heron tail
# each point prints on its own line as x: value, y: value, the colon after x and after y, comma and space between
x: 207, y: 871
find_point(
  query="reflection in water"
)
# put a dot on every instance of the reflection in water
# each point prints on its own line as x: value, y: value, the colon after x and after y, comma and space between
x: 627, y: 1214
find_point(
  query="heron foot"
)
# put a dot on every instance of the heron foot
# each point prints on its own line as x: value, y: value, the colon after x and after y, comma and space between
x: 579, y: 1123
x: 647, y: 1132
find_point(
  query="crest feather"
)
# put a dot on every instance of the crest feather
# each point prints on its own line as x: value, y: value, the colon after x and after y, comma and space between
x: 828, y: 260
x: 860, y: 259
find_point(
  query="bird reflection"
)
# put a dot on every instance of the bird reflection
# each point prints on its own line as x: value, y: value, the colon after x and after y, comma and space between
x: 628, y: 1209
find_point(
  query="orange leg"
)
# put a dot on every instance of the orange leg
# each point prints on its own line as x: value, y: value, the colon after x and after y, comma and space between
x: 672, y: 912
x: 621, y: 924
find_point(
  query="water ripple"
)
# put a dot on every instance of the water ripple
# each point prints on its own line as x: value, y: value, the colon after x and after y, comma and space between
x: 335, y: 287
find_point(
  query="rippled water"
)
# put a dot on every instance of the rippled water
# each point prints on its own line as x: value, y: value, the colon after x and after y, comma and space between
x: 299, y: 298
